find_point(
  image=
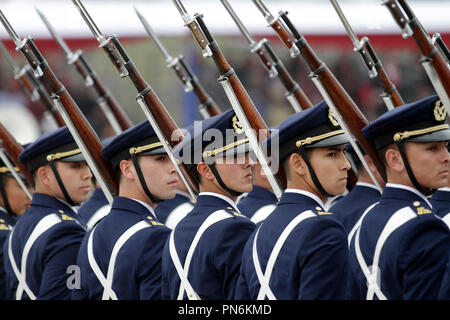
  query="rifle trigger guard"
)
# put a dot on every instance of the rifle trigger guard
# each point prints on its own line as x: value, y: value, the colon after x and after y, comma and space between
x: 225, y: 76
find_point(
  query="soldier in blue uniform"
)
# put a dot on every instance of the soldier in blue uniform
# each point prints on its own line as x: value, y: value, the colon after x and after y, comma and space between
x: 350, y: 208
x: 13, y: 204
x: 201, y: 259
x: 261, y: 201
x: 41, y: 250
x: 401, y: 248
x: 120, y: 258
x: 171, y: 211
x: 300, y: 250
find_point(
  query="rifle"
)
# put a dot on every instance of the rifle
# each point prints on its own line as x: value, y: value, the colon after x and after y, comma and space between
x: 13, y: 149
x: 79, y: 127
x: 245, y: 110
x: 344, y: 108
x: 113, y: 111
x: 437, y: 39
x: 156, y: 113
x: 32, y: 86
x: 295, y: 95
x: 208, y: 107
x: 390, y: 96
x: 432, y: 60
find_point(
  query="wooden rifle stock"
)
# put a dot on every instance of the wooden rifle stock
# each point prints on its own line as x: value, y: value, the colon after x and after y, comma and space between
x: 87, y: 73
x: 166, y: 123
x: 388, y: 86
x: 427, y: 49
x: 289, y: 83
x: 226, y: 72
x: 352, y: 116
x: 207, y: 102
x: 13, y: 149
x: 84, y: 129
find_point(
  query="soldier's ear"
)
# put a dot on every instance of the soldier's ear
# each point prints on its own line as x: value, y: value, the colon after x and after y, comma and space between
x: 394, y: 160
x: 205, y: 171
x: 45, y: 175
x: 127, y: 169
x: 297, y: 164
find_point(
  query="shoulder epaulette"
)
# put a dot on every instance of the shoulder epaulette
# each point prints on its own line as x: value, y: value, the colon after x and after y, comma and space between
x: 65, y: 216
x: 420, y: 209
x: 321, y: 212
x: 4, y: 226
x: 153, y: 222
x: 235, y: 213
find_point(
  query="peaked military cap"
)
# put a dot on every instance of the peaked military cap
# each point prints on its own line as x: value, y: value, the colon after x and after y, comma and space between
x: 140, y: 139
x: 218, y: 136
x: 315, y: 127
x: 4, y: 168
x: 419, y: 121
x: 56, y: 145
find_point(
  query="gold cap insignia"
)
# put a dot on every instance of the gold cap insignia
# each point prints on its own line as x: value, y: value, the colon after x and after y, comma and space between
x: 439, y: 111
x: 332, y: 118
x: 237, y: 125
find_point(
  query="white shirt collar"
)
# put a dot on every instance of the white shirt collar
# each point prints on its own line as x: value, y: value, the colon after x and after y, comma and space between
x: 221, y: 196
x: 401, y: 186
x: 74, y: 208
x: 447, y: 189
x: 149, y: 208
x: 308, y: 194
x: 185, y: 194
x: 369, y: 185
x: 3, y: 209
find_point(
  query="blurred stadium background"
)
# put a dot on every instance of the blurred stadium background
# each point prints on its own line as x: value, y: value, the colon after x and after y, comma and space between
x: 316, y: 20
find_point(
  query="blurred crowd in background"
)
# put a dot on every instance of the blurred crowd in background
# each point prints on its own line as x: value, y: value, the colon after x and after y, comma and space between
x: 401, y: 64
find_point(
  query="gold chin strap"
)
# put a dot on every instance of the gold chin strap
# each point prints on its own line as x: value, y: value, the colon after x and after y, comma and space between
x: 136, y: 150
x: 60, y: 155
x: 225, y: 148
x: 406, y: 134
x: 310, y: 140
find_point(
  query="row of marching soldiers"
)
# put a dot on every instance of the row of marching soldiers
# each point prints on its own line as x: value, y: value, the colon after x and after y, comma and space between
x: 236, y: 240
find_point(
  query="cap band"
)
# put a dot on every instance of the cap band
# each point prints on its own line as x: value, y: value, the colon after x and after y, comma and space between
x: 310, y: 140
x: 60, y: 155
x: 406, y: 134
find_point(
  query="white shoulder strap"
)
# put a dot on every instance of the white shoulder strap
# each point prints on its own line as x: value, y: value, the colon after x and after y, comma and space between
x: 264, y: 279
x: 399, y: 218
x: 106, y: 282
x: 446, y: 219
x: 177, y: 214
x: 358, y: 223
x: 43, y: 225
x: 262, y: 213
x: 183, y: 272
x: 98, y: 215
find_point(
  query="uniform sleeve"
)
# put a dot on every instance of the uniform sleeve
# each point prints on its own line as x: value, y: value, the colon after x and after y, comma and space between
x: 324, y: 261
x: 165, y: 287
x: 3, y: 286
x: 150, y: 270
x: 444, y: 292
x: 60, y: 252
x: 425, y: 250
x: 228, y: 255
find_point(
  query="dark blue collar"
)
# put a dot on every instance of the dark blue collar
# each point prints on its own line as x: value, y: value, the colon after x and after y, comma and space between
x: 441, y: 195
x: 262, y: 193
x: 46, y: 201
x: 130, y: 205
x: 298, y: 198
x: 210, y: 200
x: 399, y: 193
x: 99, y: 195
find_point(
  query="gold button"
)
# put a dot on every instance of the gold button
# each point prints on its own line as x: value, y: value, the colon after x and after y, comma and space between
x: 318, y: 208
x: 416, y: 203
